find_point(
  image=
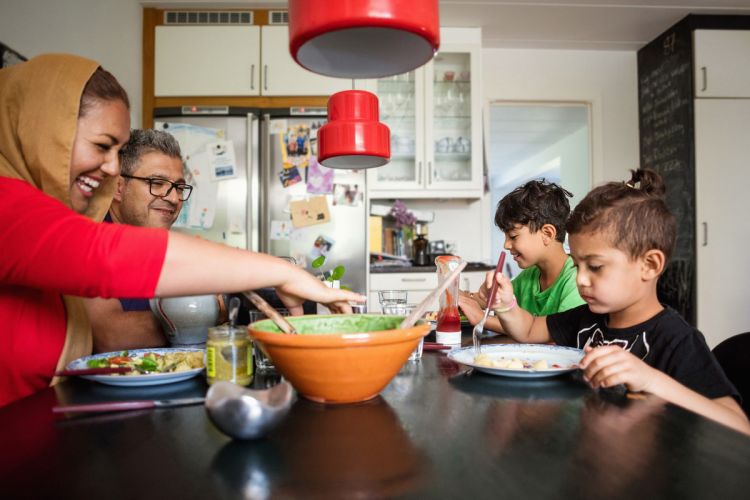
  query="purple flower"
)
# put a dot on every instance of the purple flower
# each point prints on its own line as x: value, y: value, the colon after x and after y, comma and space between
x: 403, y: 216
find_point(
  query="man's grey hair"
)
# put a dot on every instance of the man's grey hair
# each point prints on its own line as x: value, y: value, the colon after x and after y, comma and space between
x: 143, y: 141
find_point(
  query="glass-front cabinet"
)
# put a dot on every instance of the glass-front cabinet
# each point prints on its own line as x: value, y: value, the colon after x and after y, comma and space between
x: 434, y: 114
x: 402, y: 109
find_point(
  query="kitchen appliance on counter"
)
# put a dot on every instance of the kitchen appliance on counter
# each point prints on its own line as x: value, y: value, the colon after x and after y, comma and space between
x: 421, y: 246
x: 258, y: 186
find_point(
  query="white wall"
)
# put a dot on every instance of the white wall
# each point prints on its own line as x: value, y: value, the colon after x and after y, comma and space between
x: 605, y: 79
x: 110, y: 32
x: 107, y: 31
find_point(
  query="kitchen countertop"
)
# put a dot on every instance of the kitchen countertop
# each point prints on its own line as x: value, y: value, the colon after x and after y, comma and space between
x: 471, y: 267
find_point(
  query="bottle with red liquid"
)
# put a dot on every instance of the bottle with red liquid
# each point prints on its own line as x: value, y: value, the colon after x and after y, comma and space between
x: 448, y: 329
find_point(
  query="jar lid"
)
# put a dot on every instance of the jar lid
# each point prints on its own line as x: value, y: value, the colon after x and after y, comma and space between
x: 227, y: 332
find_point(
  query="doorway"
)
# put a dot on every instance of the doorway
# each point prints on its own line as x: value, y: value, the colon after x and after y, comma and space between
x: 535, y: 140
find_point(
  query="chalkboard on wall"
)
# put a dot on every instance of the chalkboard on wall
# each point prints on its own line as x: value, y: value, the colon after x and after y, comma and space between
x: 665, y: 99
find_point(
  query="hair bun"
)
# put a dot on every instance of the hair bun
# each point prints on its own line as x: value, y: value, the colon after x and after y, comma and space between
x: 648, y: 181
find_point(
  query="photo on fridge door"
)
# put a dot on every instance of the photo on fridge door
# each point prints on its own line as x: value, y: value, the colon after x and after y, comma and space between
x: 295, y: 146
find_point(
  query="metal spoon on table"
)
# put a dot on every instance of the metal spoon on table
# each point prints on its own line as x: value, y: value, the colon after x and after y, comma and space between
x: 247, y: 413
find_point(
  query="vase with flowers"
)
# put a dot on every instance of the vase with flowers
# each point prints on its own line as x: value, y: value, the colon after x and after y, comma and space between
x: 404, y: 222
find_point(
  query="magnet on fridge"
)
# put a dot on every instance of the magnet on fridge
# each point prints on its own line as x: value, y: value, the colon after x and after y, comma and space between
x: 310, y: 212
x: 280, y: 229
x: 319, y: 178
x: 349, y: 195
x: 221, y: 160
x: 289, y: 176
x: 321, y: 246
x: 295, y: 146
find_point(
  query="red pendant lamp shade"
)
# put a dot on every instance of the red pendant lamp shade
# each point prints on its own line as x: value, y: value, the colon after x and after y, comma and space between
x: 353, y: 138
x: 363, y: 38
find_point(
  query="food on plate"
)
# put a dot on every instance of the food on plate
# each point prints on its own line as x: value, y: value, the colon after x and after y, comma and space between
x: 514, y: 363
x: 150, y: 362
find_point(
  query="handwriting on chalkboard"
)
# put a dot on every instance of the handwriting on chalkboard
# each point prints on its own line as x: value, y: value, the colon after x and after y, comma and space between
x: 666, y: 138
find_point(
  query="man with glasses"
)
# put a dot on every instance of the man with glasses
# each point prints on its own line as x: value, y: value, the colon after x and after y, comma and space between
x: 150, y: 193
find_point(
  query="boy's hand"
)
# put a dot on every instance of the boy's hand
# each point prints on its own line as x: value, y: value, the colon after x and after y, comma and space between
x: 607, y: 366
x: 469, y: 306
x: 504, y: 295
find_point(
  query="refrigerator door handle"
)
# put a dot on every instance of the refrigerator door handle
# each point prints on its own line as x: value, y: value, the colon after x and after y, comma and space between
x: 265, y: 179
x: 253, y: 184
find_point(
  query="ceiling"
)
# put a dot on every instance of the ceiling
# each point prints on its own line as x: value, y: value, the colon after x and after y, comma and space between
x: 552, y: 24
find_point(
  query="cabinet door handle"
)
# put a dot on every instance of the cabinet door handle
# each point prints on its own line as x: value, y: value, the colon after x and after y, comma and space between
x: 420, y: 280
x: 265, y: 77
x: 704, y: 74
x: 252, y: 77
x: 705, y: 234
x: 419, y: 172
x: 429, y: 172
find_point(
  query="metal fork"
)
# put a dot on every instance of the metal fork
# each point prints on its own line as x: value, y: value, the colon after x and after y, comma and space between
x: 479, y: 327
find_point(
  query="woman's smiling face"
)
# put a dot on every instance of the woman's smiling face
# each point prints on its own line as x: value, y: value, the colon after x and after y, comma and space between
x: 100, y: 133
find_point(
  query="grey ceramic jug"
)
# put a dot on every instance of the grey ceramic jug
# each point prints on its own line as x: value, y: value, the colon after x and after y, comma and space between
x: 186, y: 320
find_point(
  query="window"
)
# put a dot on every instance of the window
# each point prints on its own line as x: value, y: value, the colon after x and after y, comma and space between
x: 533, y: 141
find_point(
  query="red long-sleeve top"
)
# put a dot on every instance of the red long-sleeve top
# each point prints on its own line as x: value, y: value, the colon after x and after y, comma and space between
x: 47, y: 250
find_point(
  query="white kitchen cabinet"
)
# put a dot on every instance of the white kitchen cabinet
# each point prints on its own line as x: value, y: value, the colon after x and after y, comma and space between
x: 283, y: 76
x: 233, y: 60
x: 207, y: 60
x: 419, y: 285
x: 434, y: 114
x: 722, y: 149
x: 721, y: 63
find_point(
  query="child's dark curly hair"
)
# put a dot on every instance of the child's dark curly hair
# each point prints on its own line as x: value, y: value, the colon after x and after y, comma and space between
x: 534, y: 204
x: 632, y: 214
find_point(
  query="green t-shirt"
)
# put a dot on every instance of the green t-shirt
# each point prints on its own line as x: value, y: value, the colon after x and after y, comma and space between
x: 561, y: 296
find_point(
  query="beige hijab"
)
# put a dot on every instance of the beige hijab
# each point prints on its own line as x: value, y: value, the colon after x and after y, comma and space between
x: 39, y: 103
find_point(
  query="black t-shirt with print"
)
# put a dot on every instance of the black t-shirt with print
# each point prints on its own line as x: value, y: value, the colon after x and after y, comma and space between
x: 666, y: 342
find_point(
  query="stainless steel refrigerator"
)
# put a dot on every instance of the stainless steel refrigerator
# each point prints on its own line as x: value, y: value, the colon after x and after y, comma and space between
x: 270, y: 195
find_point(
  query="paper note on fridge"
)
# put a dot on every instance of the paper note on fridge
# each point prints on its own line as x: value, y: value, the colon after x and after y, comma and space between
x: 310, y: 212
x: 280, y: 229
x: 221, y: 160
x: 201, y: 206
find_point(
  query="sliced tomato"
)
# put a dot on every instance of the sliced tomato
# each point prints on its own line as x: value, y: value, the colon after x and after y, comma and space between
x: 119, y: 360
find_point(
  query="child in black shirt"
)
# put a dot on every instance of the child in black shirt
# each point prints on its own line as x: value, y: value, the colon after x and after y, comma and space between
x: 621, y: 237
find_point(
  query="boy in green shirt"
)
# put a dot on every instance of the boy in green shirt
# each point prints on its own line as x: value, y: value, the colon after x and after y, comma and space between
x: 533, y: 219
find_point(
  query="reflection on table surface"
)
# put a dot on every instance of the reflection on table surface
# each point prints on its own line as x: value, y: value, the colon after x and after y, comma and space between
x: 437, y: 431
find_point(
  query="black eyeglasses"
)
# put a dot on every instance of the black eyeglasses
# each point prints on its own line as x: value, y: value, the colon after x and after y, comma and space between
x: 162, y: 187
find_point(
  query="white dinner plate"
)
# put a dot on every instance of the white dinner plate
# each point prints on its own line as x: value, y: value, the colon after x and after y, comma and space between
x: 137, y: 380
x: 566, y: 357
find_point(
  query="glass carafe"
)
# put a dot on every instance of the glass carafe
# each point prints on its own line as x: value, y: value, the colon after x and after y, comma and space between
x: 448, y: 329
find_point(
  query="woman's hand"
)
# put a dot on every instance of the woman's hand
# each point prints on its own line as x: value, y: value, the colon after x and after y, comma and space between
x: 607, y: 366
x: 294, y: 293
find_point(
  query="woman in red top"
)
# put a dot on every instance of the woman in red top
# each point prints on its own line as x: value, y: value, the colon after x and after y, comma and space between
x: 63, y: 120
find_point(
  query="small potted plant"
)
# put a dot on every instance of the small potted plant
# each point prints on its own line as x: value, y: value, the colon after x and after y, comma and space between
x: 331, y: 278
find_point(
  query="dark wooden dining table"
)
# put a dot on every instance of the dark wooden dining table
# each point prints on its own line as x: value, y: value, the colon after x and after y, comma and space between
x: 437, y: 431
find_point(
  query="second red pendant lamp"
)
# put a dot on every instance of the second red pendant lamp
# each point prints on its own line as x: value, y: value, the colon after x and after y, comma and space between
x: 353, y: 138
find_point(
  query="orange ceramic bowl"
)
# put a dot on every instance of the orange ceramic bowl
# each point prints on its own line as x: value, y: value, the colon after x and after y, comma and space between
x: 341, y: 358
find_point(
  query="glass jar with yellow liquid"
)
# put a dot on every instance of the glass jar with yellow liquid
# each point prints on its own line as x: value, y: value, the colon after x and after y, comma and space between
x: 229, y: 355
